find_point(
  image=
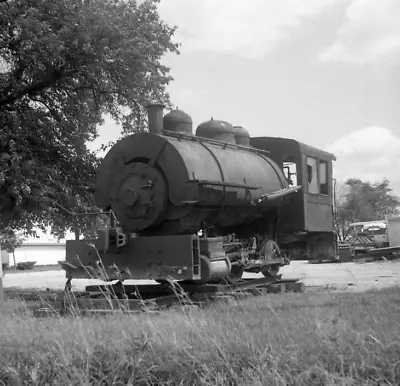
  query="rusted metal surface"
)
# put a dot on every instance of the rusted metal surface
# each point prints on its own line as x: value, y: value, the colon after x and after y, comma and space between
x: 383, y: 251
x: 142, y: 258
x: 155, y: 117
x: 186, y: 257
x: 178, y: 121
x: 345, y: 252
x: 219, y: 182
x: 281, y: 145
x: 239, y: 178
x: 242, y: 136
x: 218, y: 130
x: 154, y: 290
x: 303, y: 211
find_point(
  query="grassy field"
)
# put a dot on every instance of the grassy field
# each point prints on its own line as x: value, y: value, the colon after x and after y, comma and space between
x: 288, y: 339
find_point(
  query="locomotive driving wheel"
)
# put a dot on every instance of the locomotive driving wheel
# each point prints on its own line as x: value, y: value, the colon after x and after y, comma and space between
x: 270, y: 251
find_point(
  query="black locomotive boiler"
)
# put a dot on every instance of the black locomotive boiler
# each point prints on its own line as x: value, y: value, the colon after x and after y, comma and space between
x: 207, y: 207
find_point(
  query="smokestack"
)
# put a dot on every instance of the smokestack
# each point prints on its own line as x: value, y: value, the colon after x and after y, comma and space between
x: 155, y: 117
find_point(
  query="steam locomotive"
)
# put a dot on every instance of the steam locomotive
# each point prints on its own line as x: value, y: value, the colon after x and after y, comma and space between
x: 207, y: 207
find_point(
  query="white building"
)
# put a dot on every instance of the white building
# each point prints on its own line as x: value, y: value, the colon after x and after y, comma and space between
x: 45, y: 250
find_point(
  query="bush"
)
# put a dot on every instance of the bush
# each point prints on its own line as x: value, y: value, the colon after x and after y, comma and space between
x: 4, y: 266
x: 24, y: 266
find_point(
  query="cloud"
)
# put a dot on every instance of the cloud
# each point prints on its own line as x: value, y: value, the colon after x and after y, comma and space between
x: 184, y: 95
x: 371, y: 33
x: 248, y: 28
x: 371, y: 154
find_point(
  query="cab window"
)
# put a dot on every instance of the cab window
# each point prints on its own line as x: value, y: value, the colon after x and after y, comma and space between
x: 312, y: 175
x: 290, y: 170
x: 323, y: 177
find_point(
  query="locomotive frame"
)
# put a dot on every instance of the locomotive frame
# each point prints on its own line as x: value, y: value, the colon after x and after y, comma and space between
x: 263, y: 232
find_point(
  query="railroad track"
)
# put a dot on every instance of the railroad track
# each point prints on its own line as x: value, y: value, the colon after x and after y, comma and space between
x: 103, y: 299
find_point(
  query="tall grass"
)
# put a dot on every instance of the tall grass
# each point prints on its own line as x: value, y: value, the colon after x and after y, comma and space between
x: 283, y: 339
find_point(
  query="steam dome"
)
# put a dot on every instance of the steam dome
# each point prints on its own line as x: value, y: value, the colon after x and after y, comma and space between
x: 178, y: 121
x: 218, y: 130
x: 242, y: 136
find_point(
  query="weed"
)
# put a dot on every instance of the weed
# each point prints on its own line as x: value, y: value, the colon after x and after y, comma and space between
x: 300, y: 339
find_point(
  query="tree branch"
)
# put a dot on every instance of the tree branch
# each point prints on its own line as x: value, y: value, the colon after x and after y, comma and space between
x: 36, y: 87
x: 54, y: 113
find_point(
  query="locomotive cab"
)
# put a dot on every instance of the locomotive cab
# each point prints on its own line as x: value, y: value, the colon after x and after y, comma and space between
x: 306, y: 223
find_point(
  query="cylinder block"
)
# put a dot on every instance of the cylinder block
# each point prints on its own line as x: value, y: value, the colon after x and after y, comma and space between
x: 213, y: 269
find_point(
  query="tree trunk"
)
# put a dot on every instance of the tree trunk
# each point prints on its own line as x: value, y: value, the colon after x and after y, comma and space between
x: 15, y: 263
x: 76, y: 231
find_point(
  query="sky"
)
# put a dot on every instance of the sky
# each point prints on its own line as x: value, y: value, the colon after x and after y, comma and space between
x: 324, y: 72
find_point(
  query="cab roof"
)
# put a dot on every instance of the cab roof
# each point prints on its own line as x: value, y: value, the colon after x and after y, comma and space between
x: 273, y: 142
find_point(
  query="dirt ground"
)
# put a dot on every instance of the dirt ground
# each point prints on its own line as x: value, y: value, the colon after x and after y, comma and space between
x: 352, y: 277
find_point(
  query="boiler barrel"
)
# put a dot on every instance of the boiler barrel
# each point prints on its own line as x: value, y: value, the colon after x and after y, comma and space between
x: 147, y: 179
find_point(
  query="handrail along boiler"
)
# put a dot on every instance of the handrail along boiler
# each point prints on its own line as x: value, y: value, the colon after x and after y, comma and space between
x: 207, y: 207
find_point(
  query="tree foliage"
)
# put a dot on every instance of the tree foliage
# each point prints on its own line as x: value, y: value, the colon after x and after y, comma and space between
x: 63, y: 65
x: 359, y: 200
x: 10, y: 240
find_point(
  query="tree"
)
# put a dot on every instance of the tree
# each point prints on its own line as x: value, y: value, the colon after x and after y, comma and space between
x: 359, y: 200
x: 340, y: 219
x: 63, y: 65
x: 10, y: 241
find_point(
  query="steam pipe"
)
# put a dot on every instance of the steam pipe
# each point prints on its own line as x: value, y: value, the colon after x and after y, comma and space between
x: 155, y: 117
x: 279, y: 193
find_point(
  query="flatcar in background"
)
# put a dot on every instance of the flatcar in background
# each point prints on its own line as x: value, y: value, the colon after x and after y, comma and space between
x: 366, y: 236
